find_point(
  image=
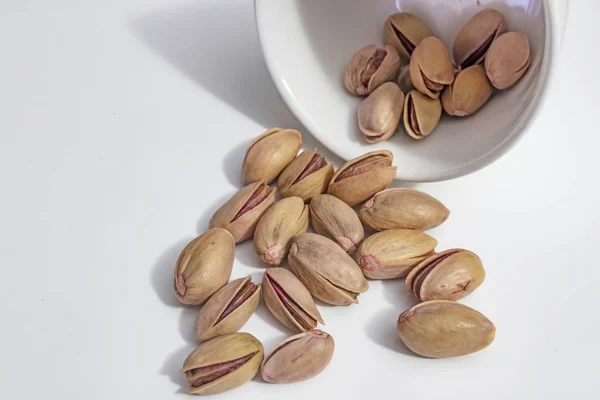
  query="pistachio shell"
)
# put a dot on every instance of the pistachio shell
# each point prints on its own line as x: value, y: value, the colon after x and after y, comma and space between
x: 369, y: 68
x: 379, y: 114
x: 299, y: 357
x: 393, y: 253
x: 404, y: 81
x: 307, y: 176
x: 359, y: 179
x: 269, y: 154
x: 471, y: 90
x: 476, y: 36
x: 228, y: 309
x: 508, y: 59
x: 336, y: 220
x: 204, y: 266
x: 421, y: 114
x: 430, y: 67
x: 404, y: 31
x: 326, y: 270
x: 223, y: 363
x: 403, y: 208
x: 289, y: 301
x: 450, y: 275
x: 440, y: 329
x: 275, y: 230
x: 240, y: 214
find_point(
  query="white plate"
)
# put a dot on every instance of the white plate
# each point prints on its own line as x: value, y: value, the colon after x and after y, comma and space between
x: 307, y: 45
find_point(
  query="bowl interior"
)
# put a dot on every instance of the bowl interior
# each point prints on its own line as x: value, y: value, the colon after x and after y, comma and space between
x: 307, y: 45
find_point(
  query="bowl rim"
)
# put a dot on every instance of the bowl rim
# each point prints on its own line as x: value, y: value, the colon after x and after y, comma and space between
x: 529, y: 115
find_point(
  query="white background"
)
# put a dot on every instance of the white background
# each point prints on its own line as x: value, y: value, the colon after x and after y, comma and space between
x: 122, y: 128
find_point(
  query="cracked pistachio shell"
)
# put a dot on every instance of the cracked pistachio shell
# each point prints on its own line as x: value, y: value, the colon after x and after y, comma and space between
x: 430, y: 67
x: 269, y: 154
x: 204, y: 266
x: 299, y: 357
x: 326, y: 270
x: 405, y: 31
x: 421, y: 114
x: 240, y: 214
x: 307, y: 176
x: 441, y: 329
x: 508, y: 59
x: 369, y: 68
x: 476, y: 36
x: 470, y: 90
x: 450, y: 275
x: 403, y: 208
x: 289, y: 301
x: 228, y: 309
x: 379, y: 114
x: 223, y: 363
x: 404, y: 81
x: 393, y: 253
x: 333, y: 218
x: 359, y: 179
x: 279, y: 225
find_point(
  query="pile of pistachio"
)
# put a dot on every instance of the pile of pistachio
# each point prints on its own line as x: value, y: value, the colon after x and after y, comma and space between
x: 320, y: 265
x: 413, y: 78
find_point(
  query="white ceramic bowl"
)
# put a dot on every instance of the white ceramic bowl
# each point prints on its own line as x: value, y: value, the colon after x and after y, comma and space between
x: 308, y: 43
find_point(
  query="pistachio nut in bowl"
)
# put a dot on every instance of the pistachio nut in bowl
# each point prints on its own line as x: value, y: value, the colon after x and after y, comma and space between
x: 313, y: 67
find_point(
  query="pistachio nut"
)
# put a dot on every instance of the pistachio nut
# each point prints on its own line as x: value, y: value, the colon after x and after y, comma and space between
x: 476, y: 36
x: 299, y: 357
x: 228, y: 309
x: 370, y: 67
x: 379, y: 114
x: 307, y: 176
x: 441, y: 328
x: 269, y: 154
x: 284, y: 220
x: 508, y: 59
x: 403, y: 208
x: 359, y: 179
x: 430, y: 67
x: 404, y: 31
x: 335, y: 219
x: 223, y: 363
x: 326, y: 270
x: 421, y: 114
x: 470, y: 90
x: 450, y: 275
x: 393, y: 253
x: 204, y: 266
x: 404, y: 81
x: 289, y: 301
x: 240, y: 214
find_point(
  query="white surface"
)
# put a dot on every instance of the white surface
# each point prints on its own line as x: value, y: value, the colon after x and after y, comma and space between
x: 321, y: 37
x: 122, y: 127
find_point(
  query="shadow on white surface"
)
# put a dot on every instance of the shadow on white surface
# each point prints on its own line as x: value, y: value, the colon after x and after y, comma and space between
x: 381, y: 329
x: 187, y: 323
x: 161, y: 276
x: 396, y: 294
x: 173, y: 365
x: 232, y: 164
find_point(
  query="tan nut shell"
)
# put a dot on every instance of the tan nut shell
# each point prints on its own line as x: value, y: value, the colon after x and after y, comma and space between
x: 208, y: 325
x: 326, y: 270
x: 299, y: 357
x: 333, y: 218
x: 309, y: 186
x: 269, y: 154
x: 393, y: 253
x: 243, y: 227
x: 204, y: 266
x: 223, y: 349
x: 403, y: 208
x: 295, y: 294
x: 426, y: 110
x: 476, y: 36
x: 431, y: 60
x: 471, y: 90
x: 508, y: 59
x: 405, y: 31
x: 359, y: 188
x: 359, y: 63
x: 278, y: 226
x: 379, y: 114
x: 440, y: 329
